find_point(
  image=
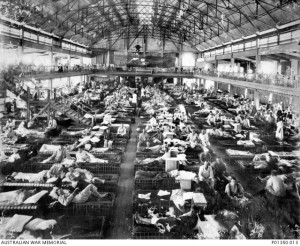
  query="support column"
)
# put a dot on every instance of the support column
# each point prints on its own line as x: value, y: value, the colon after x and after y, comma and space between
x: 201, y: 83
x: 279, y: 67
x: 163, y: 47
x: 204, y: 83
x: 107, y: 58
x: 51, y: 58
x: 258, y: 57
x: 21, y: 47
x: 48, y: 115
x: 295, y: 67
x: 69, y: 81
x: 290, y: 101
x: 110, y: 58
x: 239, y: 67
x: 109, y: 50
x: 256, y: 99
x: 180, y: 56
x: 28, y: 105
x: 229, y: 87
x: 216, y: 85
x: 258, y: 64
x: 232, y: 64
x: 81, y: 61
x: 216, y: 66
x: 51, y: 84
x: 69, y: 60
x: 127, y: 43
x: 145, y: 46
x: 271, y: 97
x: 198, y: 81
x: 175, y: 80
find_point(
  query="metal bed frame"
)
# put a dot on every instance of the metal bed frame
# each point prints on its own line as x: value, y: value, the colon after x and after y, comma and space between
x: 95, y: 208
x: 95, y: 168
x: 156, y: 184
x: 142, y: 207
x: 110, y: 185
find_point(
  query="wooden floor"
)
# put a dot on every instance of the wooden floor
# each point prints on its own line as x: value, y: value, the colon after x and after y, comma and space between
x: 121, y: 224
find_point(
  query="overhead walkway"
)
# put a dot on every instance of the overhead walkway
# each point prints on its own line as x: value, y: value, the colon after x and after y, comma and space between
x: 256, y: 86
x: 290, y: 91
x: 146, y: 73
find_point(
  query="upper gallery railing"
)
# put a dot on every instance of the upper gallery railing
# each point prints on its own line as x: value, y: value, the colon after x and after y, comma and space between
x: 267, y: 79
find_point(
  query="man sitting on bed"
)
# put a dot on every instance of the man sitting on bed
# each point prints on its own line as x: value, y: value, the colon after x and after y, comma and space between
x: 108, y: 138
x: 234, y: 189
x: 153, y: 121
x: 121, y: 131
x: 143, y: 139
x: 78, y: 195
x: 193, y: 139
x: 58, y: 155
x: 203, y: 137
x: 210, y: 119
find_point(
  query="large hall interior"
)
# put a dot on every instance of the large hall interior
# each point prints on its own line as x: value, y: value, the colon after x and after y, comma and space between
x: 149, y: 119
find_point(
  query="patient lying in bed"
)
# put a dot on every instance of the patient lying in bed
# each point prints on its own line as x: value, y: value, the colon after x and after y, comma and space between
x: 84, y: 156
x: 78, y: 195
x: 57, y: 171
x: 59, y: 153
x: 75, y: 175
x: 18, y: 197
x: 25, y: 227
x: 29, y: 177
x: 23, y: 132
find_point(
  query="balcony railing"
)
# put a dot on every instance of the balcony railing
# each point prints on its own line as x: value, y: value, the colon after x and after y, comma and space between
x: 266, y: 79
x: 30, y: 70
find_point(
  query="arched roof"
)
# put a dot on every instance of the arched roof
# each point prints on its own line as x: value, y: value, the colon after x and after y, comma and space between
x: 198, y: 23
